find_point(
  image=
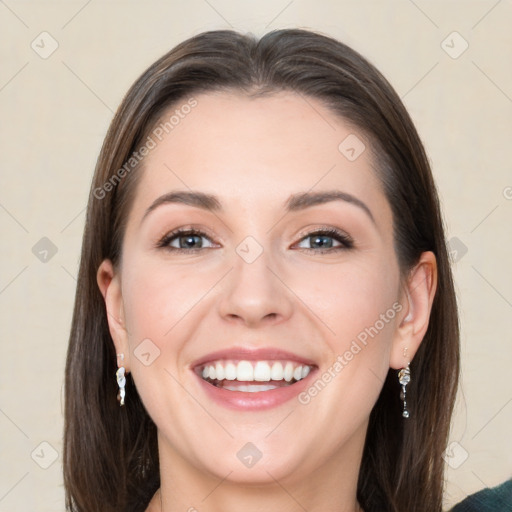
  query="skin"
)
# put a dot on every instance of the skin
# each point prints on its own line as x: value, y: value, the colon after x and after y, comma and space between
x: 253, y: 154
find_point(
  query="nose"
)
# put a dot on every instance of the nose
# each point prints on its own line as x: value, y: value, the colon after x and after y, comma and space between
x: 255, y: 293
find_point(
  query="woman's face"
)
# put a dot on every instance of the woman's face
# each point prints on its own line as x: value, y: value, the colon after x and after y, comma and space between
x: 260, y: 276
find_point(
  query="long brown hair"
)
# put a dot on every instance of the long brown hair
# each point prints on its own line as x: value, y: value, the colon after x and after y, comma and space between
x: 110, y: 452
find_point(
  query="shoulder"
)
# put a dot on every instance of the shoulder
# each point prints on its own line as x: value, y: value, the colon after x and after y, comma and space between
x: 488, y: 500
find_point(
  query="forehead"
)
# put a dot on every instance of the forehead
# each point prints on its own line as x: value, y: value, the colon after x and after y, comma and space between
x: 256, y: 151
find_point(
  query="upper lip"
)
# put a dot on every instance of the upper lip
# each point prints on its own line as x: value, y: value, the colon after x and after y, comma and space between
x: 251, y: 354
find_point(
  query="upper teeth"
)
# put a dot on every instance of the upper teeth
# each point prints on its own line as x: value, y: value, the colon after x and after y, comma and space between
x: 262, y: 371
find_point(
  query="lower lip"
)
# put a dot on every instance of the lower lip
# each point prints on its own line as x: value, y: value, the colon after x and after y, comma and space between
x: 241, y: 400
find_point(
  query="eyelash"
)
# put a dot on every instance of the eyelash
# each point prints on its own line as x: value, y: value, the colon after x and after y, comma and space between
x: 344, y: 239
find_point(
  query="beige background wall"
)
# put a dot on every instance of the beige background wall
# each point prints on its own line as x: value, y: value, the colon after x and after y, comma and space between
x: 55, y: 112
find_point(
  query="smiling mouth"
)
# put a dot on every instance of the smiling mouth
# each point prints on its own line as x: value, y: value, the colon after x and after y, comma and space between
x: 252, y: 376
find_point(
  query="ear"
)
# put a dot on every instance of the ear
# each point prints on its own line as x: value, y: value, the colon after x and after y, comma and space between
x: 417, y: 298
x: 109, y: 284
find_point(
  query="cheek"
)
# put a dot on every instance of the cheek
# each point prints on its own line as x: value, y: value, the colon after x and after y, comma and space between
x: 156, y: 302
x: 349, y: 298
x: 358, y: 307
x: 156, y: 298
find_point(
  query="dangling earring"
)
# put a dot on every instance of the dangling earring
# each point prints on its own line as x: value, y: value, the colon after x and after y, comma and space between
x: 121, y: 381
x: 404, y: 377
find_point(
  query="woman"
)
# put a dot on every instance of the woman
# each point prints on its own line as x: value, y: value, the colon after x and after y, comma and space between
x: 265, y: 287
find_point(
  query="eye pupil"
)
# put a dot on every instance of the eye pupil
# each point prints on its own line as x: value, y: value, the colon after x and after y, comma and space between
x: 320, y: 239
x: 189, y: 239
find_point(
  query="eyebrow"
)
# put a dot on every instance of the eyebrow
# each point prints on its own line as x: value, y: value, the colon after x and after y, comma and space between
x: 295, y: 202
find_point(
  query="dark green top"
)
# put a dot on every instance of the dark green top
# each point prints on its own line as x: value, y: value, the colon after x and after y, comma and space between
x: 496, y: 499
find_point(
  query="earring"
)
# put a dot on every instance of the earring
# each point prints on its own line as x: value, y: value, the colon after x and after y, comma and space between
x: 404, y: 377
x: 121, y: 381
